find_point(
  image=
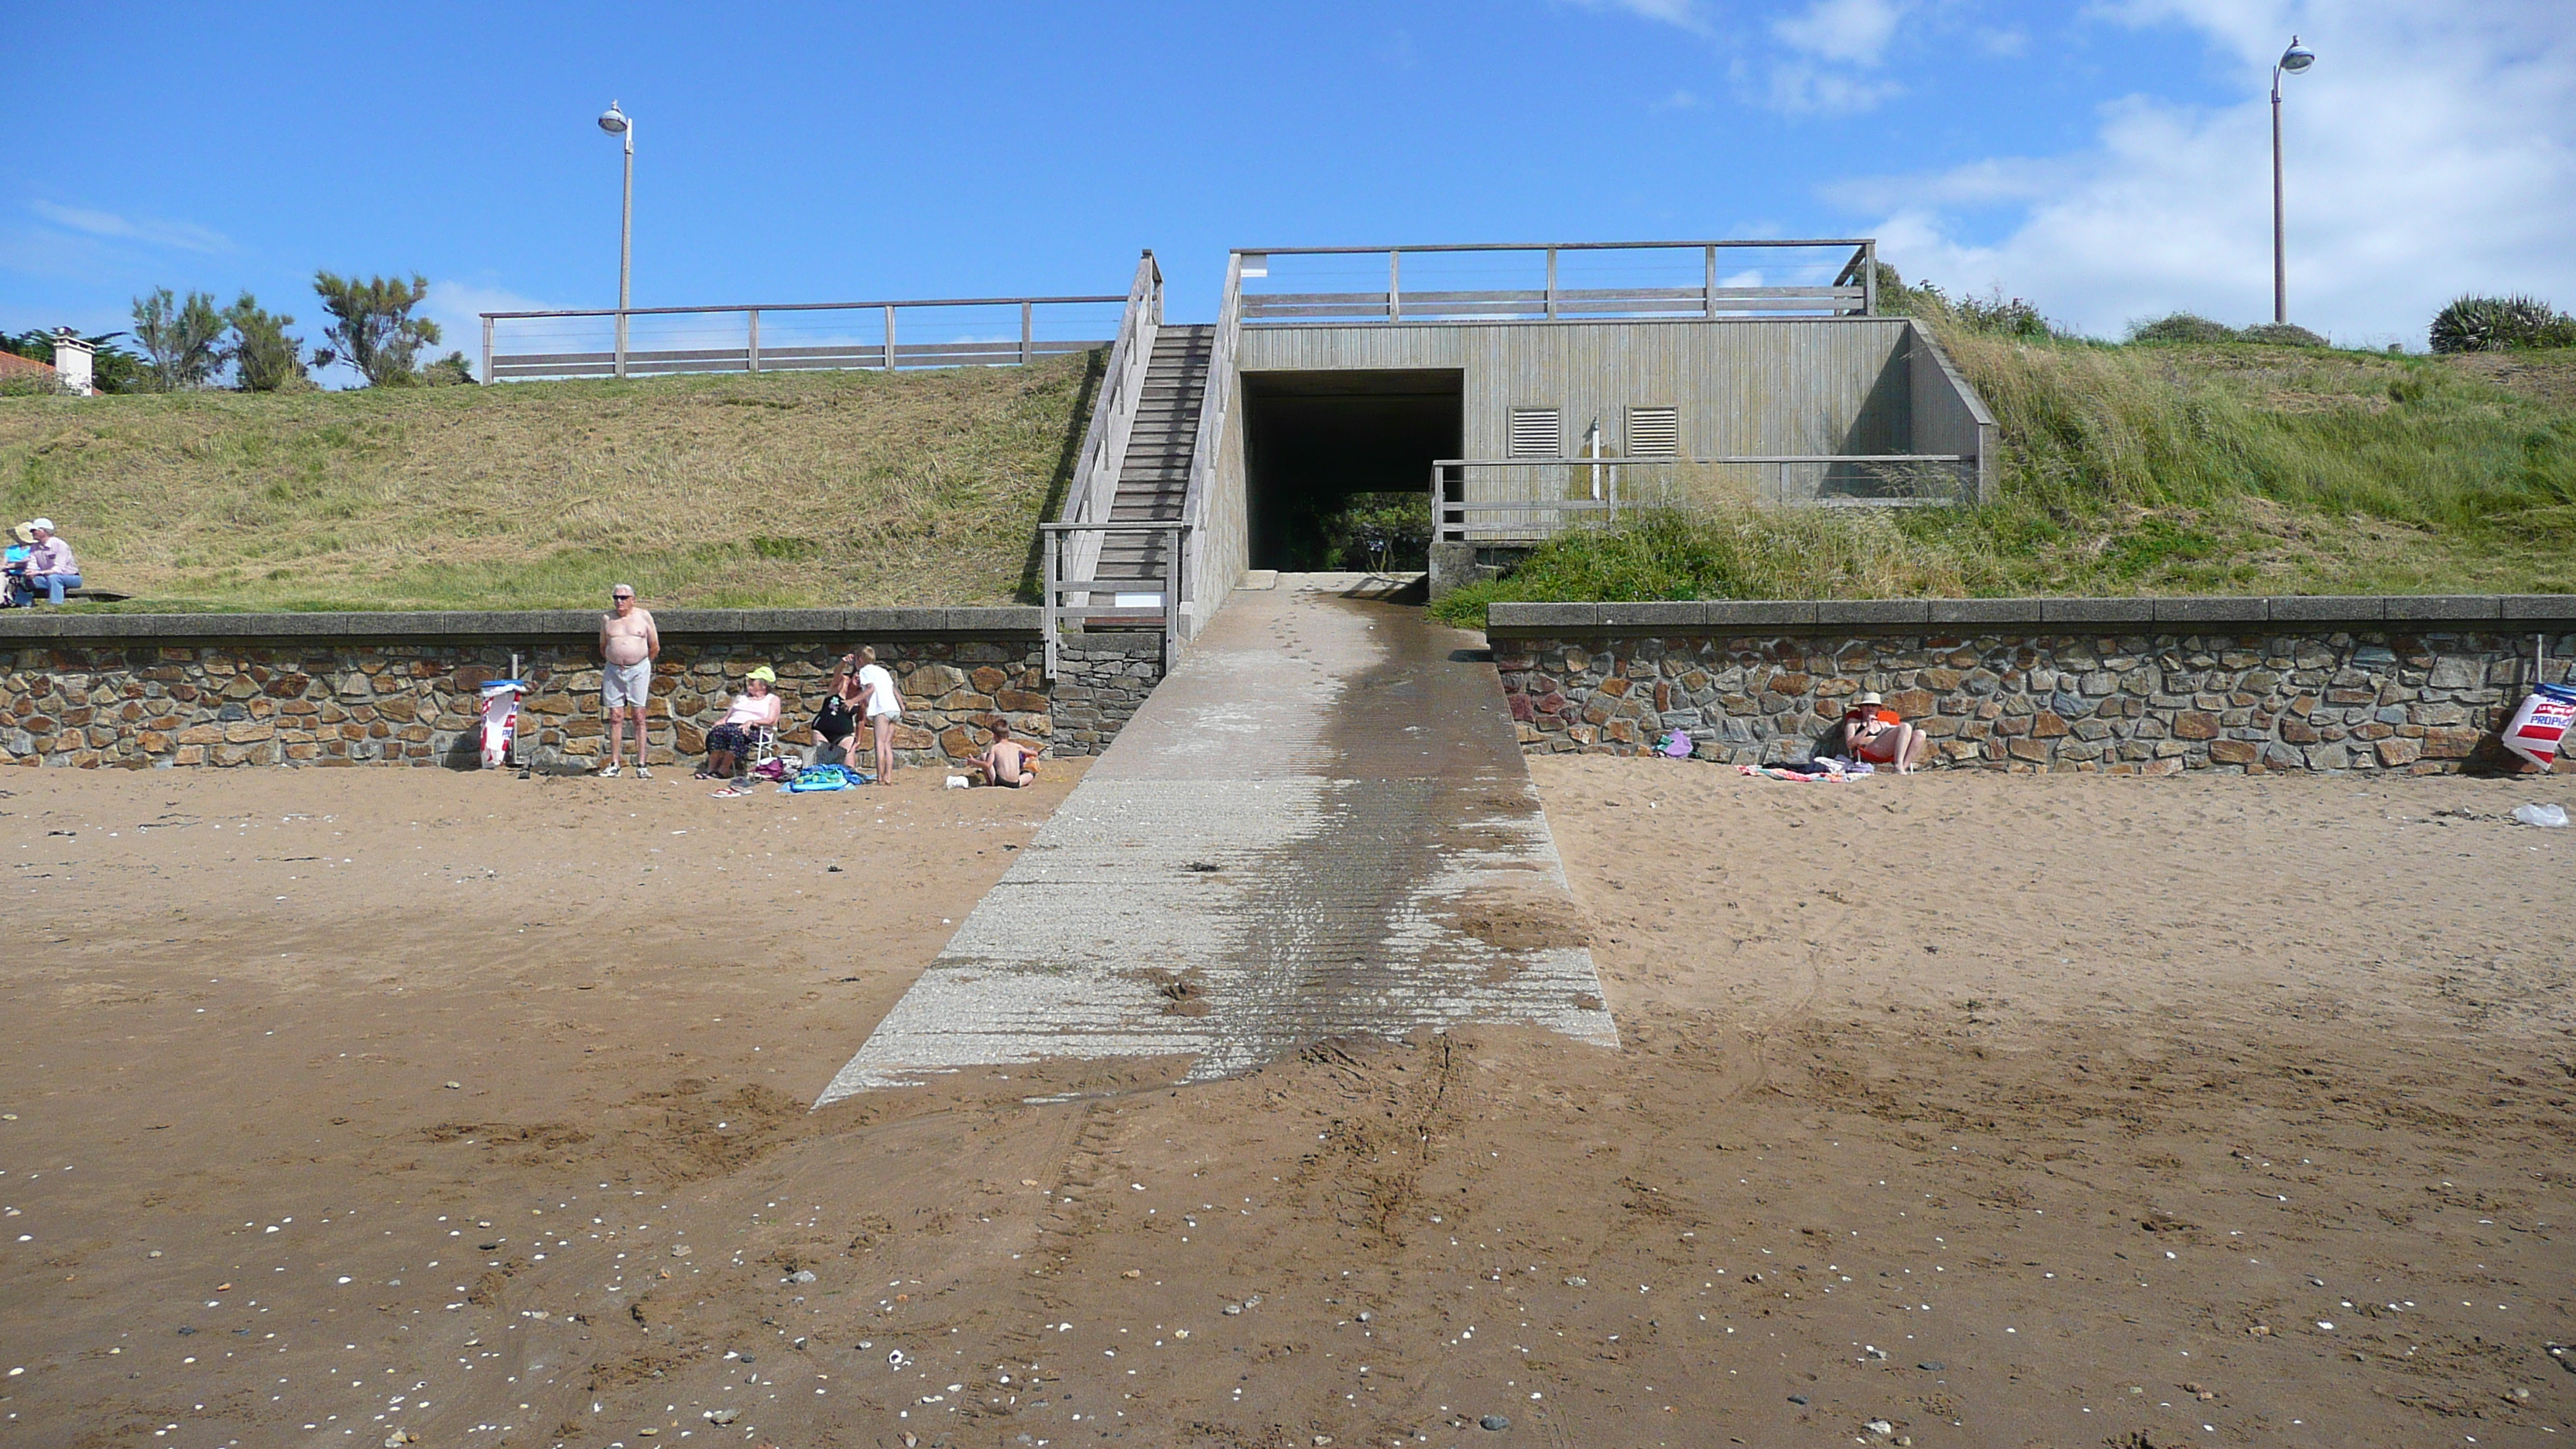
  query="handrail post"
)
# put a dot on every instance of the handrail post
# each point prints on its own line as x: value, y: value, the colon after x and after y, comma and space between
x: 621, y: 342
x: 1869, y: 278
x: 486, y: 374
x: 1172, y: 593
x: 1551, y: 284
x: 1709, y: 286
x: 1394, y: 285
x: 751, y: 351
x: 1028, y: 333
x: 889, y: 342
x: 1048, y: 540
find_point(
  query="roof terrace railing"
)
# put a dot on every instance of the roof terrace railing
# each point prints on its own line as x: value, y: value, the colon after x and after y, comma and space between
x: 797, y: 337
x: 1560, y: 281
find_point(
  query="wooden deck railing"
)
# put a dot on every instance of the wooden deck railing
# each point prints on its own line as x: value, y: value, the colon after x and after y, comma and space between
x: 1836, y: 286
x: 1527, y: 500
x: 1062, y: 590
x: 802, y: 337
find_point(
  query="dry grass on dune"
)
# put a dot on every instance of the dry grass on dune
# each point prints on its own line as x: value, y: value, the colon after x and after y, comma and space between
x: 815, y: 489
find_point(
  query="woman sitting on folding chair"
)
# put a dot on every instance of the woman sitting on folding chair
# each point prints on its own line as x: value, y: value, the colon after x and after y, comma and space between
x: 754, y: 713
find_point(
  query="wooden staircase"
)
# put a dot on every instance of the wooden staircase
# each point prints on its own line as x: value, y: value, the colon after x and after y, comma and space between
x: 1154, y: 476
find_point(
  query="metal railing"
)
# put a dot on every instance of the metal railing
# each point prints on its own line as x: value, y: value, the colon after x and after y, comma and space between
x: 1526, y: 500
x: 797, y: 337
x: 1553, y: 281
x: 1094, y: 489
x: 1165, y: 591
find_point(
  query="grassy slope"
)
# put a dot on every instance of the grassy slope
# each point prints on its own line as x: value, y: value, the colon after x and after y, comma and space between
x: 2144, y: 469
x: 826, y: 488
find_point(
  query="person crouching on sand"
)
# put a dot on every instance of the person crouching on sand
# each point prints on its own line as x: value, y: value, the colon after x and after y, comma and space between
x: 1005, y: 761
x: 1878, y: 735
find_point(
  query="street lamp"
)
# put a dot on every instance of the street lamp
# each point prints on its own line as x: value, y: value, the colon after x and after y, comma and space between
x: 616, y: 123
x: 2293, y: 60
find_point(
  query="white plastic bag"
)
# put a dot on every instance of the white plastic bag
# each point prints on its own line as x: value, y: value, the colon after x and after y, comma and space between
x: 2547, y: 817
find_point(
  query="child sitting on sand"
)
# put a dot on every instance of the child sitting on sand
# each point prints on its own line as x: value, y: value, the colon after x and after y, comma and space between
x: 1005, y: 761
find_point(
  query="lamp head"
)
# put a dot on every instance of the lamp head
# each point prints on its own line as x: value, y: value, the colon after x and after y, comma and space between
x: 2294, y: 60
x: 613, y: 120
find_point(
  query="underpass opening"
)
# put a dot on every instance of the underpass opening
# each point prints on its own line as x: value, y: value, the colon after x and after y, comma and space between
x: 1338, y: 464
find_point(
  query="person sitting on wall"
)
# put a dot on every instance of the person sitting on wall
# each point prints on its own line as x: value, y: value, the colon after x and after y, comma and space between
x: 49, y: 568
x: 757, y: 707
x: 1005, y: 761
x: 13, y: 563
x: 1873, y: 733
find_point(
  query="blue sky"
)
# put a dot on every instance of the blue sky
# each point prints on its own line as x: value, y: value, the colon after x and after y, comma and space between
x: 2108, y: 161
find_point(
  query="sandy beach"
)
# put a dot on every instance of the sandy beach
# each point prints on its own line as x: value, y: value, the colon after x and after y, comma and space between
x: 1956, y: 1110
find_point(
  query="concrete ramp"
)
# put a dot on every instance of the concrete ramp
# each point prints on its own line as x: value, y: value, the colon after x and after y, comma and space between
x: 1318, y: 825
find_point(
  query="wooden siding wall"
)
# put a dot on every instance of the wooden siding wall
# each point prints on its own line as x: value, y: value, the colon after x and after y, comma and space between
x: 1947, y: 414
x: 1222, y: 549
x: 1743, y: 386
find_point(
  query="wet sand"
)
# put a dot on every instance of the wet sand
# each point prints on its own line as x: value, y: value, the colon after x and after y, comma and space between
x: 1993, y: 1111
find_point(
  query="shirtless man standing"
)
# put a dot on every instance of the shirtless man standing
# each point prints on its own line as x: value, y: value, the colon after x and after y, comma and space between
x: 628, y: 645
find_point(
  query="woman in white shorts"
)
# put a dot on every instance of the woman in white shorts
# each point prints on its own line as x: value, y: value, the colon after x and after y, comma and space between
x: 881, y: 707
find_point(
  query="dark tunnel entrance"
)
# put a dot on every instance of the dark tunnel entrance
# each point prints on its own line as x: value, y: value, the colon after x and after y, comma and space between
x: 1338, y: 465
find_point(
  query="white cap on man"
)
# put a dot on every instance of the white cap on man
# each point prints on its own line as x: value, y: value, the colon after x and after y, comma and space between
x: 41, y: 525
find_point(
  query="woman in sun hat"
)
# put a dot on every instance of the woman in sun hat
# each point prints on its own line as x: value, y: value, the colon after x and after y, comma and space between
x: 14, y: 562
x: 1870, y: 731
x: 755, y: 708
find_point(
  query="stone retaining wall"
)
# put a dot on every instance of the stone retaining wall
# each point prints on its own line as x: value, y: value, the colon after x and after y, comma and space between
x: 140, y: 690
x: 2124, y: 686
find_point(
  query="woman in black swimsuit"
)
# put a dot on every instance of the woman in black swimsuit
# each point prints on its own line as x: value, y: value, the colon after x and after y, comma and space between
x: 837, y: 722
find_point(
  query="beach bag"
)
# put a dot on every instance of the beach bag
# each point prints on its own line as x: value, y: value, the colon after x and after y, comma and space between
x: 1676, y: 746
x: 820, y: 777
x: 2541, y: 723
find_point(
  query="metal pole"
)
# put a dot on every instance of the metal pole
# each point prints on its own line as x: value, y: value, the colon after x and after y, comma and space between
x: 626, y: 248
x: 2280, y: 267
x: 1050, y: 542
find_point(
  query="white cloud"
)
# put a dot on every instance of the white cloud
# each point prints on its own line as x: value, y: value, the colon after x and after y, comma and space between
x: 1680, y: 100
x: 2430, y: 152
x: 1801, y: 89
x: 458, y: 308
x: 186, y: 236
x: 1684, y: 13
x: 1854, y: 32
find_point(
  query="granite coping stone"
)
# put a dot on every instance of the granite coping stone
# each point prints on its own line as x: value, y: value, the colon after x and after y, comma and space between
x: 45, y: 626
x: 2237, y: 612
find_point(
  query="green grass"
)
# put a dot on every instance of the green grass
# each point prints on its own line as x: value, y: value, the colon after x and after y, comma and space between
x: 780, y: 490
x: 2162, y: 469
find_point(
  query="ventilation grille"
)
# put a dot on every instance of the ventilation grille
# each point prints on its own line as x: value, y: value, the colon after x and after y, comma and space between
x: 1654, y: 432
x: 1537, y: 433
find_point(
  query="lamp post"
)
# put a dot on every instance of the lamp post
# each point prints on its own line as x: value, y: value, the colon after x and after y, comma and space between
x: 2293, y: 60
x: 616, y: 123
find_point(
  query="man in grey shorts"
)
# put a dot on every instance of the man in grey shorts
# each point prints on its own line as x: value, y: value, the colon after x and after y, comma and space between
x: 628, y: 645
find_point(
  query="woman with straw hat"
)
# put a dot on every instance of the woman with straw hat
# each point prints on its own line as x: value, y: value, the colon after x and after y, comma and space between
x: 756, y: 707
